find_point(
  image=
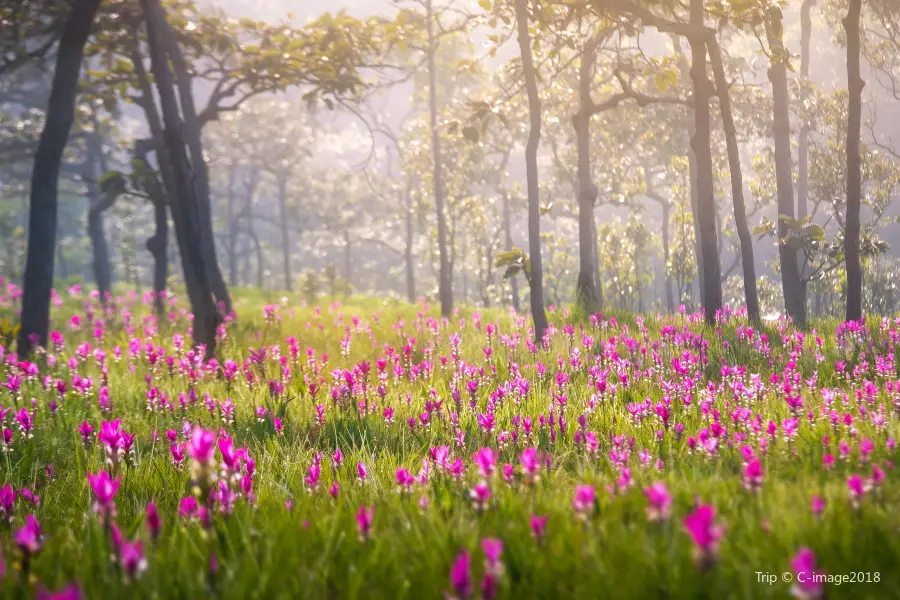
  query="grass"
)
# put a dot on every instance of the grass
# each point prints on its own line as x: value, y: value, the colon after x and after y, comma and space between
x: 265, y: 550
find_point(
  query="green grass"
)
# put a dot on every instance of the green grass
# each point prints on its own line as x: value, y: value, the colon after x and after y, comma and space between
x: 314, y: 551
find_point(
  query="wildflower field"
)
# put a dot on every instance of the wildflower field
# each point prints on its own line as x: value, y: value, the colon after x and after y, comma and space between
x: 374, y: 450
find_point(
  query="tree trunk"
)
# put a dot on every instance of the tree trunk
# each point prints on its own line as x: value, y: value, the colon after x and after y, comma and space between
x: 803, y: 154
x: 408, y: 257
x: 285, y: 236
x: 194, y: 139
x: 585, y: 291
x: 445, y: 276
x: 44, y: 201
x: 232, y: 228
x: 536, y: 280
x: 95, y: 229
x: 854, y: 177
x: 158, y: 246
x: 711, y: 299
x: 666, y: 218
x: 185, y: 211
x: 791, y: 282
x: 737, y: 182
x: 595, y: 251
x: 348, y: 257
x: 507, y: 234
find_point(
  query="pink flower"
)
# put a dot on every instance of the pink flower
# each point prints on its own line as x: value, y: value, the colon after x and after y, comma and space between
x: 404, y: 479
x: 538, y: 524
x: 492, y: 547
x: 704, y: 531
x: 154, y: 523
x: 817, y: 505
x: 486, y: 461
x: 28, y: 537
x: 461, y: 576
x: 364, y: 521
x: 804, y: 567
x: 856, y: 488
x: 131, y: 558
x: 481, y: 495
x: 660, y: 502
x: 753, y: 475
x: 202, y: 446
x: 585, y: 498
x: 104, y: 488
x: 361, y: 472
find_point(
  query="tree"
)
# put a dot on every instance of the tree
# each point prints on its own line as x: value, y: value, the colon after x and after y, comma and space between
x: 737, y: 182
x: 35, y: 319
x: 712, y: 292
x: 535, y: 281
x: 803, y: 144
x: 791, y: 282
x: 854, y: 183
x: 186, y: 211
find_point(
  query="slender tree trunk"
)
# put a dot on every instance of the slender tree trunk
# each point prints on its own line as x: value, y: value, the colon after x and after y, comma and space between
x: 445, y: 276
x: 737, y: 182
x: 232, y: 227
x: 706, y: 201
x: 185, y: 211
x: 854, y: 177
x: 791, y: 283
x: 408, y: 257
x: 803, y: 154
x: 666, y: 219
x: 95, y: 229
x: 44, y: 200
x: 158, y: 245
x: 595, y: 251
x: 585, y: 291
x: 285, y: 237
x: 194, y: 139
x: 507, y: 234
x: 536, y: 281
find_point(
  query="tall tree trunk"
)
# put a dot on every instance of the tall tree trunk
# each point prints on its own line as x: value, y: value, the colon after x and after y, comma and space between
x: 536, y: 280
x: 585, y: 291
x: 595, y: 251
x: 803, y: 152
x: 791, y: 282
x: 285, y: 236
x: 185, y: 210
x: 232, y: 228
x: 854, y: 177
x: 706, y: 201
x: 507, y: 235
x: 95, y: 229
x: 737, y: 182
x: 667, y: 254
x: 194, y: 139
x: 158, y: 245
x: 445, y: 275
x: 44, y: 201
x: 408, y: 257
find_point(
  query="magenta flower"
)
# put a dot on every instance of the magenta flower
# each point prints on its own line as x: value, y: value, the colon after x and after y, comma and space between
x: 857, y: 489
x: 585, y: 498
x: 461, y: 576
x: 485, y: 460
x: 481, y: 495
x: 86, y: 431
x: 660, y: 502
x: 28, y: 537
x: 7, y: 501
x: 361, y: 472
x: 104, y: 488
x: 70, y: 592
x: 202, y: 446
x: 26, y: 423
x: 753, y: 475
x: 817, y: 505
x: 364, y: 521
x: 538, y: 525
x: 806, y: 586
x: 404, y: 479
x: 492, y: 547
x: 705, y: 532
x: 154, y: 523
x: 131, y: 558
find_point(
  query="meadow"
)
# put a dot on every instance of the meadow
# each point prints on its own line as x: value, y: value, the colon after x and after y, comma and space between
x: 370, y: 449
